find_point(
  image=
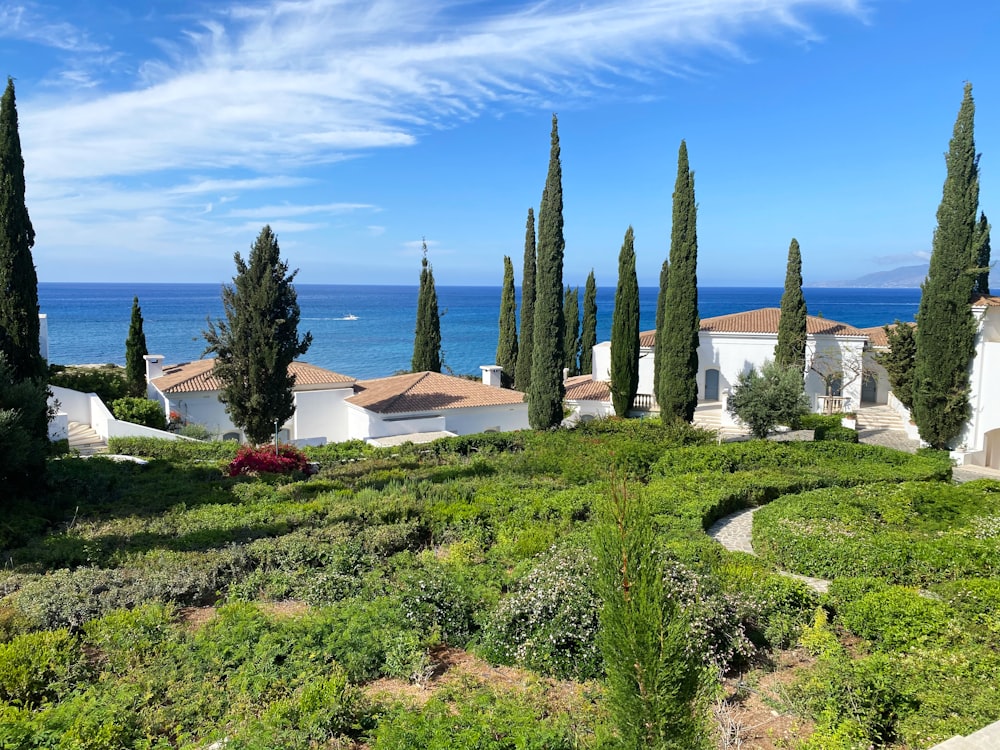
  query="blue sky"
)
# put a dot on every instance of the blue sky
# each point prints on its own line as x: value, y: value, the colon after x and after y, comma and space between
x: 160, y: 136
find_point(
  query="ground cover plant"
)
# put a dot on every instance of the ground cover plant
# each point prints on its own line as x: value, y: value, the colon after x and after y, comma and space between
x: 173, y: 605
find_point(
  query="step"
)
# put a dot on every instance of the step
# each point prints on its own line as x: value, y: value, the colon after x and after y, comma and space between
x: 84, y: 440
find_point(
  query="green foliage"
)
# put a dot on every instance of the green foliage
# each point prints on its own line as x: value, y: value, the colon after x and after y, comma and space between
x: 37, y: 667
x: 522, y: 377
x: 588, y: 338
x: 836, y: 432
x: 140, y: 410
x: 899, y: 360
x: 946, y: 330
x: 981, y: 259
x: 546, y: 390
x: 107, y: 381
x: 913, y: 533
x: 571, y: 335
x: 678, y: 394
x: 661, y: 316
x: 174, y: 450
x: 769, y: 398
x: 258, y: 340
x: 652, y: 680
x: 135, y: 350
x: 23, y: 432
x: 548, y: 622
x: 507, y: 340
x: 427, y: 335
x: 790, y: 351
x: 19, y: 327
x: 896, y: 619
x: 625, y: 331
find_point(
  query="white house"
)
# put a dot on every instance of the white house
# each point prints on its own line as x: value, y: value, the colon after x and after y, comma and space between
x: 190, y: 392
x: 979, y: 443
x: 421, y: 406
x: 730, y: 345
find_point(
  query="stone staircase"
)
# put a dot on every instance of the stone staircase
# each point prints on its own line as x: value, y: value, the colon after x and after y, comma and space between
x: 709, y: 416
x: 879, y: 417
x: 987, y: 738
x: 85, y: 441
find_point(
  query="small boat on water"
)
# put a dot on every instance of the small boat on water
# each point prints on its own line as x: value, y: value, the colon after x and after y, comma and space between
x: 350, y: 316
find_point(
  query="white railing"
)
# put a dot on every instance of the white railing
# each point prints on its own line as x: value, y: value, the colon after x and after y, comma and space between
x: 645, y: 402
x: 833, y: 404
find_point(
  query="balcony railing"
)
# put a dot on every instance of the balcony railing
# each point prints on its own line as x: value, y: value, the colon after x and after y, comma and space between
x: 833, y: 404
x: 645, y: 402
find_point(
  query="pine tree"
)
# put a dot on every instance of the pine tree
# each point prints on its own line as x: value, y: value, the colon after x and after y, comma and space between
x: 258, y: 340
x: 898, y: 361
x: 945, y: 326
x: 661, y: 335
x: 19, y: 328
x: 678, y: 394
x: 135, y: 350
x: 588, y: 338
x: 982, y: 259
x: 625, y: 331
x: 507, y: 341
x: 791, y: 348
x: 522, y: 377
x: 546, y: 391
x: 427, y: 335
x: 571, y: 335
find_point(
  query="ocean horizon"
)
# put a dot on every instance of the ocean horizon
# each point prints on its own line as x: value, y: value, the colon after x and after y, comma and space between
x: 366, y: 331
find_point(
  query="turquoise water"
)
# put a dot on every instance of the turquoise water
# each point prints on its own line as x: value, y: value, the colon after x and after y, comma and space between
x: 89, y: 322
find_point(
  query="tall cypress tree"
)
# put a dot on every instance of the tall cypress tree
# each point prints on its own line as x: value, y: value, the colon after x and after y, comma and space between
x: 661, y: 317
x: 546, y: 391
x: 678, y: 394
x: 625, y: 331
x: 19, y: 328
x: 790, y: 350
x: 571, y: 336
x: 507, y: 341
x: 258, y: 340
x: 135, y: 350
x: 945, y: 326
x: 982, y: 259
x: 522, y: 377
x: 427, y: 335
x: 588, y: 338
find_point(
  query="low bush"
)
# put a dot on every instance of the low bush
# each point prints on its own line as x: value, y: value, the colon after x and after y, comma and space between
x: 174, y: 450
x: 108, y: 381
x: 38, y: 667
x: 897, y: 619
x: 837, y: 433
x: 142, y: 411
x: 251, y: 461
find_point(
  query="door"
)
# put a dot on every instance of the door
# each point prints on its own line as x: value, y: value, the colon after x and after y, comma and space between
x: 869, y: 388
x: 711, y: 385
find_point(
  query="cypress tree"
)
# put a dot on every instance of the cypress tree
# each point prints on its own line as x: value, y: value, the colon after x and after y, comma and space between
x: 19, y: 328
x: 945, y: 326
x: 791, y: 348
x: 427, y: 335
x: 522, y: 377
x: 258, y: 340
x: 588, y: 338
x: 135, y: 350
x: 507, y: 341
x: 571, y: 336
x: 661, y: 317
x: 678, y: 394
x: 625, y: 331
x: 546, y: 391
x: 898, y: 361
x: 982, y: 259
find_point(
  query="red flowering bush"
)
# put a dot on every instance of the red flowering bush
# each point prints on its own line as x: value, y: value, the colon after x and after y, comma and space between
x: 264, y: 460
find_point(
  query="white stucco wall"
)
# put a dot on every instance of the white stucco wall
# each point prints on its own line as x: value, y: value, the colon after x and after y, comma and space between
x: 201, y: 407
x: 586, y: 410
x: 43, y: 336
x: 321, y: 414
x: 503, y: 418
x: 984, y: 400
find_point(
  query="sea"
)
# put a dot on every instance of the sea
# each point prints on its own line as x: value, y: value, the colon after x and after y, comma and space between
x: 367, y: 331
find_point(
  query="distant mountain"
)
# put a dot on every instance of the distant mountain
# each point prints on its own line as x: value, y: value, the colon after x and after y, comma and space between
x: 905, y: 277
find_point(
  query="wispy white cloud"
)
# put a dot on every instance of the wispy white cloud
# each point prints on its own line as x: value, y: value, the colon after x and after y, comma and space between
x: 29, y: 22
x: 269, y: 213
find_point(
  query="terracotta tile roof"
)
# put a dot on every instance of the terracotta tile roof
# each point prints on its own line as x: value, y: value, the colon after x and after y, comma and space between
x: 585, y: 388
x: 986, y: 300
x: 876, y: 334
x: 427, y: 391
x: 189, y: 377
x: 764, y: 320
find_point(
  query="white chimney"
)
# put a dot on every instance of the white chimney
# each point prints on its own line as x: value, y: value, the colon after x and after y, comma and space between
x: 492, y: 375
x: 154, y: 366
x: 565, y: 374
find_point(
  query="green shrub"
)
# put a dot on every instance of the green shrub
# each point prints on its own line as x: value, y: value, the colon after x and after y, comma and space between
x: 896, y: 618
x: 813, y: 421
x: 174, y: 450
x: 549, y: 620
x: 142, y: 411
x: 836, y: 433
x: 195, y: 431
x: 107, y: 381
x: 35, y: 667
x: 324, y: 708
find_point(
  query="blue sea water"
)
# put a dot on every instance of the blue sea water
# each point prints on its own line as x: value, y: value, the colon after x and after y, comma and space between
x: 88, y: 323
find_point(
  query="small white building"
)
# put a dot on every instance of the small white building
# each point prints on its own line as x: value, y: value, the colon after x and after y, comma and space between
x: 979, y: 442
x: 421, y: 406
x: 189, y: 392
